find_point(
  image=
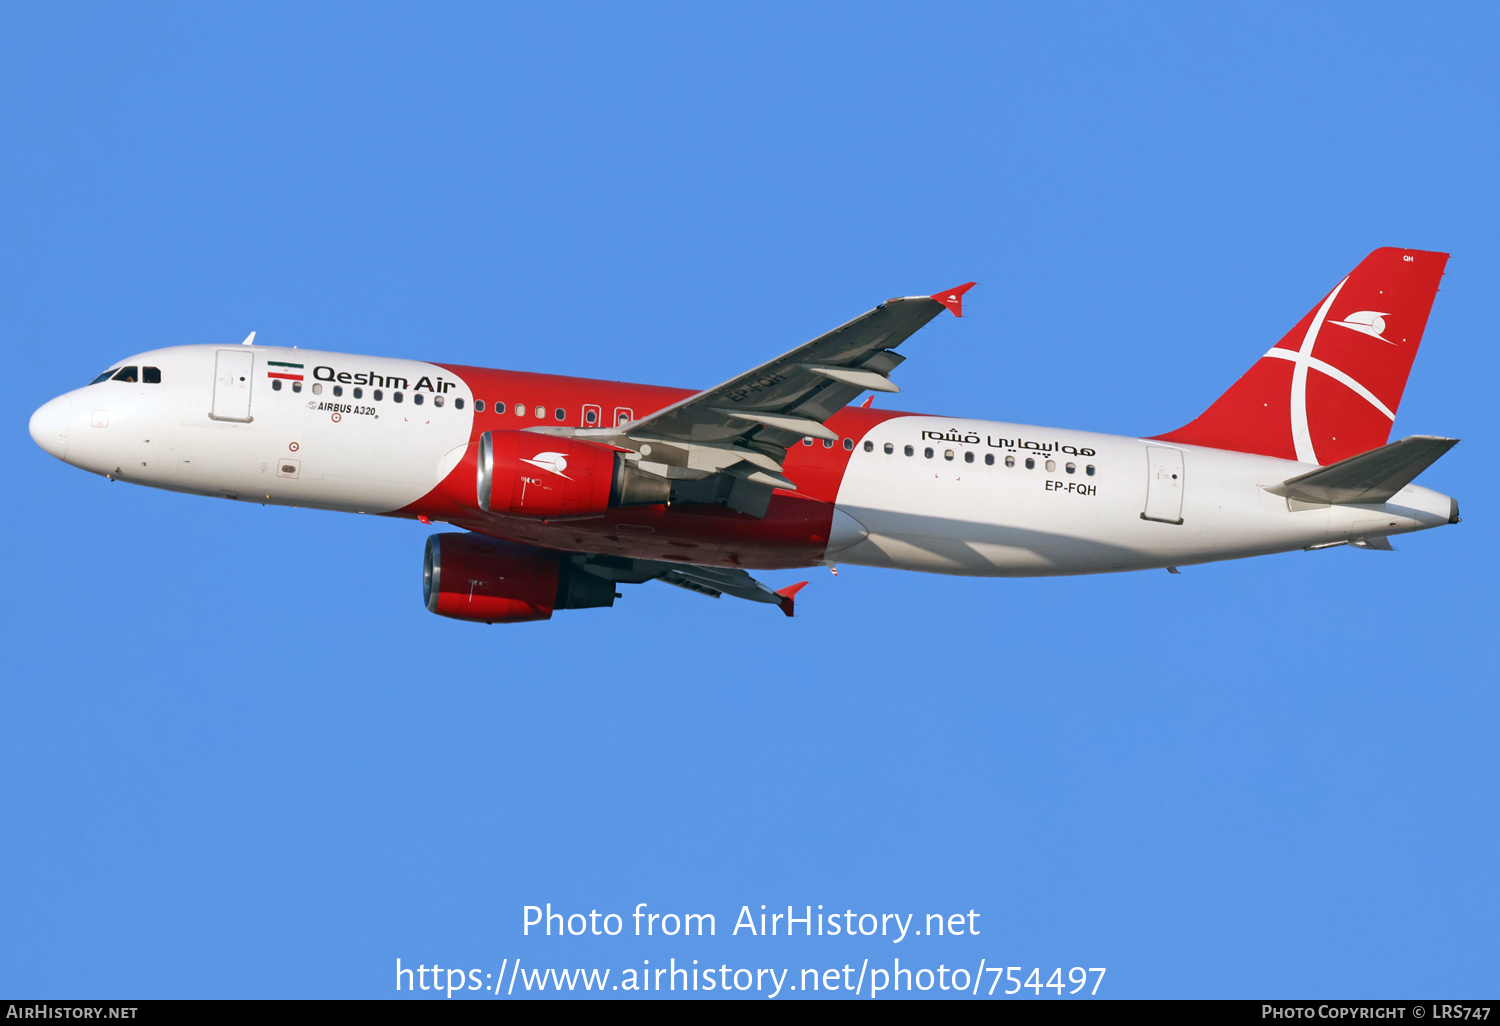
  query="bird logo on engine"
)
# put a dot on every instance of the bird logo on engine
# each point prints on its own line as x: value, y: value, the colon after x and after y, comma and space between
x: 552, y: 462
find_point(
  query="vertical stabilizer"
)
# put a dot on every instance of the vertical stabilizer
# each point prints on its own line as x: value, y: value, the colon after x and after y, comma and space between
x: 1330, y: 389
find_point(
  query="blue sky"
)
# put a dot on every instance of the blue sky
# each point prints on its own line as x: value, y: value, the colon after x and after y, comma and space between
x: 240, y: 759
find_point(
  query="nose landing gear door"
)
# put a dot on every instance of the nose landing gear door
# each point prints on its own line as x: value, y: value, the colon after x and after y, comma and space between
x: 1163, y: 485
x: 233, y: 372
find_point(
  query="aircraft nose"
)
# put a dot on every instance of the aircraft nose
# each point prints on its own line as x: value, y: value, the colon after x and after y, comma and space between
x: 49, y: 426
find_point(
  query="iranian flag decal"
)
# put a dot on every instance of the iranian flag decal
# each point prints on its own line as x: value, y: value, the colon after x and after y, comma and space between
x: 281, y: 369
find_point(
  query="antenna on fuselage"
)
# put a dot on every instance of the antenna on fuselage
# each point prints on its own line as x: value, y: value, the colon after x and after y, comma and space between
x: 249, y: 340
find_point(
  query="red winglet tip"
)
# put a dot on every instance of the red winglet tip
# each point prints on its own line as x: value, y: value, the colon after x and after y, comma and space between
x: 867, y: 403
x: 953, y: 298
x: 789, y: 596
x: 423, y: 518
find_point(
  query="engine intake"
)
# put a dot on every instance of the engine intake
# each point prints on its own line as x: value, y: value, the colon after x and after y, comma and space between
x: 486, y: 580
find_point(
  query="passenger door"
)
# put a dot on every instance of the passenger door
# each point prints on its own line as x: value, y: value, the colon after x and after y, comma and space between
x: 233, y: 371
x: 1163, y: 485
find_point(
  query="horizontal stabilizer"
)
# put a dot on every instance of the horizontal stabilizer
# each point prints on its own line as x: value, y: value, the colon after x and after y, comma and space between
x: 1371, y: 477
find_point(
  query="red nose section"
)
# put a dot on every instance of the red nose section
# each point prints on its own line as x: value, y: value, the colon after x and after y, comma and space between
x: 953, y: 299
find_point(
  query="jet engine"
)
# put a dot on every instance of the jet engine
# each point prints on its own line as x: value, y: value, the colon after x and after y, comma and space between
x: 527, y: 474
x: 471, y: 577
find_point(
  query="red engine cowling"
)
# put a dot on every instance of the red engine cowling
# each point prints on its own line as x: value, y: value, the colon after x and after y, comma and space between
x: 471, y: 577
x: 525, y: 474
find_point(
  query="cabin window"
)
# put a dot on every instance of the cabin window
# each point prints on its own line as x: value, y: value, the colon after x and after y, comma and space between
x: 927, y: 452
x: 359, y: 393
x: 541, y: 413
x: 1010, y: 461
x: 560, y: 414
x: 499, y: 407
x: 590, y: 416
x: 296, y: 386
x: 151, y: 375
x: 1089, y: 470
x: 806, y: 440
x: 317, y: 389
x: 870, y: 447
x: 479, y: 406
x: 989, y: 459
x: 889, y: 448
x: 125, y: 374
x: 379, y: 395
x: 103, y: 377
x: 338, y: 389
x: 849, y: 444
x: 416, y: 398
x: 396, y: 397
x: 276, y: 384
x: 948, y: 454
x: 1051, y: 466
x: 1070, y: 468
x: 458, y: 402
x: 828, y: 443
x: 520, y: 409
x: 968, y: 457
x: 438, y: 400
x: 1030, y: 463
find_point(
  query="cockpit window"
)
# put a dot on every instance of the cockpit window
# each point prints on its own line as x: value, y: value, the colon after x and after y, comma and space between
x: 102, y: 377
x: 151, y: 375
x: 126, y: 374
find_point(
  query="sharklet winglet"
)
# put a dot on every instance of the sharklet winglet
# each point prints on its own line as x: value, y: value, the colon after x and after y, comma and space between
x: 789, y: 596
x: 953, y: 298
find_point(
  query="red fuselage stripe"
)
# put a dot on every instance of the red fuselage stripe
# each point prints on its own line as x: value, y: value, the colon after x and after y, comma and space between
x: 794, y: 531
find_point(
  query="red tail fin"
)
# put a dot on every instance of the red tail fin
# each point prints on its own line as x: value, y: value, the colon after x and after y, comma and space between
x: 1330, y: 388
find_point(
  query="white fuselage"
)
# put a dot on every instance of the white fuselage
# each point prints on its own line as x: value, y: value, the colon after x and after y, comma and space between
x: 1125, y: 504
x: 946, y: 515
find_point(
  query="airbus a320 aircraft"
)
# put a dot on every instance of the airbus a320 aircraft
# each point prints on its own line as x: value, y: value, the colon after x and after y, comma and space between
x: 566, y: 488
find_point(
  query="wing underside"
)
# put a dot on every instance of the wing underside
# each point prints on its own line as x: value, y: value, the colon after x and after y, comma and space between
x: 711, y: 581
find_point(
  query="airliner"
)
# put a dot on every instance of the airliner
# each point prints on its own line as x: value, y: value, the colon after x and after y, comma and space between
x: 558, y: 490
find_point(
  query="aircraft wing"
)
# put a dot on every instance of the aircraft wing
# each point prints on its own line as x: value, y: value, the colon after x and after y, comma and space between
x: 739, y: 431
x: 712, y: 581
x: 774, y: 405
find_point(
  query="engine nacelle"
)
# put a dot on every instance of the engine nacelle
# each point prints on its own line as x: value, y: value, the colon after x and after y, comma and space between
x: 525, y: 474
x: 471, y: 577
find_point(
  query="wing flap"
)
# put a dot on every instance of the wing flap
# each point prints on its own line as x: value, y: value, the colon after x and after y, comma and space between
x: 865, y: 379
